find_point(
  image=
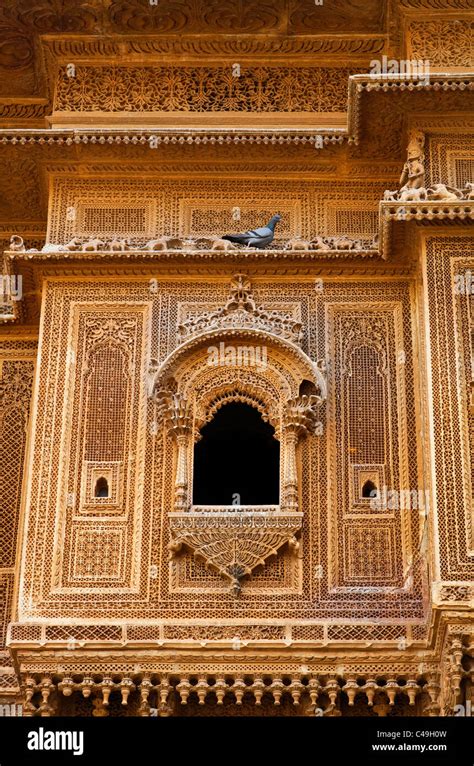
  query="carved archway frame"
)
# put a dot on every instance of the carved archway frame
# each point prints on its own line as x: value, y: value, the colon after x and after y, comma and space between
x: 237, y: 362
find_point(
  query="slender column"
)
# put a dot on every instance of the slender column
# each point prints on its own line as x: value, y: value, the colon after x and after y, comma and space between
x: 179, y: 422
x: 299, y: 419
x: 290, y: 476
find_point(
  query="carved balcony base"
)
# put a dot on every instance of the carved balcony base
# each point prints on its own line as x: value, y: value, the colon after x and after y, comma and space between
x: 234, y: 541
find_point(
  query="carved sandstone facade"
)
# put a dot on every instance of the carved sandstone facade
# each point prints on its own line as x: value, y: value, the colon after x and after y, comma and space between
x: 126, y: 157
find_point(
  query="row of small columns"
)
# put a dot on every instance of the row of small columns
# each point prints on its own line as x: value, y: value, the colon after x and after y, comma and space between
x: 221, y: 687
x: 455, y: 670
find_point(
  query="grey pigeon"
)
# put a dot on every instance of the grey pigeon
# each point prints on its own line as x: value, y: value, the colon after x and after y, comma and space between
x: 258, y: 237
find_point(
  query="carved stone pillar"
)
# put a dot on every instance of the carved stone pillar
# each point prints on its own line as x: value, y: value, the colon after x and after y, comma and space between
x: 290, y: 475
x: 298, y: 420
x: 179, y: 424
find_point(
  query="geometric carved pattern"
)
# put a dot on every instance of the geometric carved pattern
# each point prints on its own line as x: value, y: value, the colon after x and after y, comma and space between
x: 204, y: 219
x: 444, y: 42
x: 369, y: 555
x: 353, y: 220
x: 12, y: 446
x: 106, y: 400
x: 93, y: 318
x: 98, y: 554
x: 450, y: 159
x: 108, y: 492
x: 451, y: 374
x: 369, y: 438
x: 463, y: 171
x: 16, y: 379
x: 202, y: 89
x: 105, y: 220
x: 6, y: 593
x: 192, y: 208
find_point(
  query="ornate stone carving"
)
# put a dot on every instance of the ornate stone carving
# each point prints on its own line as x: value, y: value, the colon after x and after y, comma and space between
x: 172, y: 244
x: 207, y: 533
x: 350, y: 580
x: 325, y: 244
x: 241, y: 311
x: 202, y: 89
x: 179, y: 424
x: 234, y: 542
x: 444, y: 42
x: 436, y: 193
x: 413, y: 174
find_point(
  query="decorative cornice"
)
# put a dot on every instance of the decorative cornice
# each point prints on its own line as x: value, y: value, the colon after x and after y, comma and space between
x: 237, y: 256
x: 311, y: 136
x: 208, y: 135
x: 248, y: 47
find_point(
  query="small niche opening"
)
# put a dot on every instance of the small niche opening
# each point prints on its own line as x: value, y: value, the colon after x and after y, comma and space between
x: 369, y: 489
x: 101, y: 487
x: 307, y: 388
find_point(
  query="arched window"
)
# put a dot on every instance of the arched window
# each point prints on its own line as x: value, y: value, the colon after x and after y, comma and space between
x: 101, y: 487
x: 369, y: 489
x: 237, y: 461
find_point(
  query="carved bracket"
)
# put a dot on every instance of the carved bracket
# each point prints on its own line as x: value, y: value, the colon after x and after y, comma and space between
x: 233, y: 542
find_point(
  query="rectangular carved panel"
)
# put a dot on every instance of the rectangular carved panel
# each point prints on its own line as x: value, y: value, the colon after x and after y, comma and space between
x: 113, y: 558
x: 203, y: 89
x: 368, y: 424
x: 449, y: 269
x: 151, y: 207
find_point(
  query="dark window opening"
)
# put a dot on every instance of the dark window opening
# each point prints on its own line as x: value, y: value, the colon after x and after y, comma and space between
x: 307, y: 388
x: 237, y: 460
x: 101, y: 487
x: 369, y: 489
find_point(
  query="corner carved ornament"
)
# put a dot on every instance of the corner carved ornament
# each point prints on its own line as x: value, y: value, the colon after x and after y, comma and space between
x: 288, y: 390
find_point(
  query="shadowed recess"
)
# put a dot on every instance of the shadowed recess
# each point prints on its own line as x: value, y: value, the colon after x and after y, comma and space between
x: 237, y: 460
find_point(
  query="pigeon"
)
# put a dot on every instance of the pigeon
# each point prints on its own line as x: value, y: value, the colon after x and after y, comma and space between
x: 257, y: 238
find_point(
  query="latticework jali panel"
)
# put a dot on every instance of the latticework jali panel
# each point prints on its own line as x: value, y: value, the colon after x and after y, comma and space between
x: 450, y: 159
x: 141, y: 210
x: 16, y: 380
x: 449, y: 268
x: 91, y: 416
